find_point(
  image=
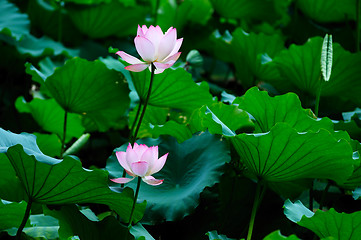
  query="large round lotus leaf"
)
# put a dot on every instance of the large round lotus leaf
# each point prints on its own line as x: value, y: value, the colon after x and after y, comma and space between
x: 191, y: 166
x: 51, y: 181
x: 90, y: 89
x: 300, y: 66
x: 328, y: 10
x: 255, y: 10
x: 220, y: 118
x: 177, y: 15
x: 249, y: 51
x: 283, y: 154
x: 286, y: 108
x: 106, y: 19
x: 50, y: 116
x: 11, y: 214
x: 44, y: 46
x: 172, y: 88
x: 12, y: 22
x: 341, y: 226
x: 73, y: 222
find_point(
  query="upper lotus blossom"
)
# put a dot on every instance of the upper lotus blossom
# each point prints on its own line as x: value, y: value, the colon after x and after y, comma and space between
x: 154, y: 47
x: 141, y: 161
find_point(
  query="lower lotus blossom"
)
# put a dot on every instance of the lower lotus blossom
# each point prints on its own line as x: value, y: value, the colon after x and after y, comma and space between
x: 141, y: 161
x: 155, y: 48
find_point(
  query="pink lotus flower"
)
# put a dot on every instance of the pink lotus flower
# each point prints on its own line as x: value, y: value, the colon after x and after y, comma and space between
x: 141, y: 161
x: 154, y: 47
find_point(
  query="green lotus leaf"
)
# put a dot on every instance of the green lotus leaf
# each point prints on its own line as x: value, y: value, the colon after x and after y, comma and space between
x: 222, y: 45
x: 38, y: 227
x: 155, y: 124
x: 328, y: 10
x: 11, y: 214
x: 47, y: 68
x: 300, y: 66
x: 44, y: 46
x: 249, y: 51
x: 286, y: 108
x: 48, y: 180
x: 67, y: 182
x: 177, y: 15
x: 172, y: 128
x: 49, y: 144
x: 220, y: 118
x: 12, y: 22
x: 90, y: 89
x: 213, y: 235
x: 276, y: 235
x: 295, y: 211
x: 107, y: 19
x: 50, y: 116
x: 139, y: 231
x: 283, y: 155
x: 72, y: 222
x: 51, y: 19
x: 332, y: 224
x: 173, y: 88
x: 250, y: 10
x: 94, y: 2
x: 191, y: 166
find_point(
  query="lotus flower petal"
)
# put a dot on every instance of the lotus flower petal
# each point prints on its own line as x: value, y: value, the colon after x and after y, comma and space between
x: 167, y: 44
x: 122, y: 180
x: 154, y: 47
x: 129, y: 58
x: 155, y: 35
x: 137, y: 67
x: 145, y: 48
x: 140, y: 31
x: 158, y: 164
x: 152, y: 181
x: 142, y: 161
x: 121, y: 156
x: 177, y: 46
x: 140, y: 168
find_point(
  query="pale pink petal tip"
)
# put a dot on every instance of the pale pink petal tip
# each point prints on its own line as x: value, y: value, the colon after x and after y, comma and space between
x: 152, y: 181
x: 136, y: 67
x: 121, y: 180
x: 128, y: 58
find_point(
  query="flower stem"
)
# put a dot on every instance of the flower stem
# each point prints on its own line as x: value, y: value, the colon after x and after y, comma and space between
x: 134, y: 202
x: 318, y: 96
x: 25, y: 219
x: 64, y: 134
x: 145, y: 104
x: 135, y: 120
x: 257, y: 200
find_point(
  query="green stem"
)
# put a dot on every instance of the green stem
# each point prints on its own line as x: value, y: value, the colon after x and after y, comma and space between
x: 318, y: 96
x: 131, y: 134
x: 324, y: 193
x: 358, y: 25
x: 134, y: 202
x: 145, y: 104
x: 64, y: 134
x: 135, y: 120
x: 257, y: 201
x: 311, y: 197
x: 25, y: 219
